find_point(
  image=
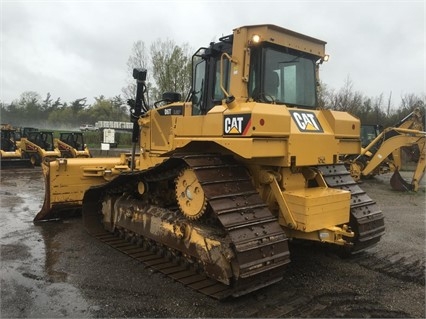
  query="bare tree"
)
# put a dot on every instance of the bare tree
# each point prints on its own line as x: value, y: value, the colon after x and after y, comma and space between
x: 325, y: 96
x: 171, y: 68
x: 138, y: 59
x: 411, y: 101
x: 347, y: 99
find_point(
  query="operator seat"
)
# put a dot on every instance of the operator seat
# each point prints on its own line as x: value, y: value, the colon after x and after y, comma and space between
x: 271, y: 85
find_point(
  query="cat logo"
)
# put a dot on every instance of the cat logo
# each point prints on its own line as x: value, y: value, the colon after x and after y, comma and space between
x: 306, y: 121
x: 236, y: 124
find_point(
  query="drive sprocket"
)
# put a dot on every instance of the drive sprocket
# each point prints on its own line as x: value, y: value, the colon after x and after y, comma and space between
x: 190, y: 194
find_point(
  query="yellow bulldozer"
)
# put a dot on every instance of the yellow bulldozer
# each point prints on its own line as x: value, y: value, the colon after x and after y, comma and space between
x: 383, y: 151
x: 216, y: 184
x: 11, y: 155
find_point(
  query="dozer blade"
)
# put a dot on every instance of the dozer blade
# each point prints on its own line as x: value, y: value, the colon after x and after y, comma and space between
x: 51, y: 210
x: 66, y: 181
x: 399, y: 184
x: 15, y: 163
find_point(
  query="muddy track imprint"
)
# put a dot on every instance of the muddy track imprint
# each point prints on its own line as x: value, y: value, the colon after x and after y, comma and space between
x: 404, y: 267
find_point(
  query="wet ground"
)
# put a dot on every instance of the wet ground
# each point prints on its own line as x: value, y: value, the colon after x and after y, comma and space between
x: 57, y: 270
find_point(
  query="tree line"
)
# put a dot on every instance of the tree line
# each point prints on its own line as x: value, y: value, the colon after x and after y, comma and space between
x: 169, y: 70
x: 383, y: 110
x: 32, y: 110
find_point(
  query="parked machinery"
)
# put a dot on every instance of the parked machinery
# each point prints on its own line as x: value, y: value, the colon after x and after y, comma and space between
x: 10, y: 155
x: 217, y: 184
x: 39, y: 146
x: 383, y: 152
x: 71, y: 144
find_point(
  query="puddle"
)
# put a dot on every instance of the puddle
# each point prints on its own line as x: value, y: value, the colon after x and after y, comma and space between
x: 31, y: 283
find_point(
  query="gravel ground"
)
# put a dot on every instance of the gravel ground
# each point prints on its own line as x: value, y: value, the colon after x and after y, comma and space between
x: 57, y: 270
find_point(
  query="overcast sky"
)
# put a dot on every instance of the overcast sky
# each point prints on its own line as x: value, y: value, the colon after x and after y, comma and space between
x: 76, y: 49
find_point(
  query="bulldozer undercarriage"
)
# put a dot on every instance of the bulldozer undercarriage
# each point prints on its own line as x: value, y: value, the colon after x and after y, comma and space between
x: 200, y: 220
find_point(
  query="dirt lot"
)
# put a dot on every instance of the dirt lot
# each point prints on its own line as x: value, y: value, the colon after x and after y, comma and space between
x: 57, y: 270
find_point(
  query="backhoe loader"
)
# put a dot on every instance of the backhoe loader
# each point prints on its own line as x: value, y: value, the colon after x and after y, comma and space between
x: 216, y: 184
x: 10, y: 155
x: 39, y: 146
x: 383, y: 153
x: 71, y: 144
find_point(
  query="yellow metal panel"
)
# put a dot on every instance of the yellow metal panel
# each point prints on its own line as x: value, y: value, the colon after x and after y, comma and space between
x: 318, y: 208
x: 209, y: 125
x: 306, y: 144
x: 269, y: 120
x: 312, y: 148
x: 266, y: 120
x: 285, y: 37
x: 349, y: 146
x: 67, y: 182
x: 162, y: 126
x: 145, y: 132
x: 245, y: 147
x: 290, y: 181
x: 343, y: 124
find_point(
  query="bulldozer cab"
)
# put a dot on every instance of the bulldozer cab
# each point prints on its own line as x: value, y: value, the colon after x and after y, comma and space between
x: 278, y: 75
x: 257, y: 66
x: 209, y: 75
x: 274, y: 71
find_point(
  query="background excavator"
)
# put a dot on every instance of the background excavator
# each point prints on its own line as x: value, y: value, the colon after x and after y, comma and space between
x: 218, y: 183
x: 384, y: 148
x: 11, y: 155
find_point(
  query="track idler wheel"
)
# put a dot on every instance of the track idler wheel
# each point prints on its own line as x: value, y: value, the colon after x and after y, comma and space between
x: 190, y: 194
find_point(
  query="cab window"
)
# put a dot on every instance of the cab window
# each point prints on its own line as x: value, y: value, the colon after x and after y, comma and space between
x: 218, y: 94
x: 198, y: 90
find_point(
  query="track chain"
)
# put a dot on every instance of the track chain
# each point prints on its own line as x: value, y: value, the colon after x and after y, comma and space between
x: 158, y: 260
x: 259, y: 243
x: 366, y: 219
